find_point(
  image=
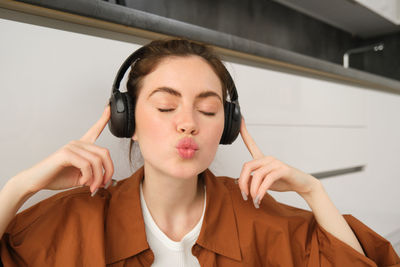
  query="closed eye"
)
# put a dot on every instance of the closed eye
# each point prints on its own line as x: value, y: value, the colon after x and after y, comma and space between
x: 172, y: 109
x: 165, y: 110
x: 208, y: 113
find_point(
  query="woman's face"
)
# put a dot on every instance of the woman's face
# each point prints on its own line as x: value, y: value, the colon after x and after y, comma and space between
x: 179, y: 117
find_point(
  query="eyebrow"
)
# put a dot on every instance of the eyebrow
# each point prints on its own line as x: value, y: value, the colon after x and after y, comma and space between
x: 173, y: 92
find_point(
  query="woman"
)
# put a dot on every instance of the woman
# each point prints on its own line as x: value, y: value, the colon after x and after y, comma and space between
x: 173, y: 211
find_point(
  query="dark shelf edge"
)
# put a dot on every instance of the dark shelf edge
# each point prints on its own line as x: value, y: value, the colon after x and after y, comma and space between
x: 327, y: 174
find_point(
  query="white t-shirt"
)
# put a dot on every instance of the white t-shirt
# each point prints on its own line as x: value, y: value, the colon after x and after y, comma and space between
x: 166, y: 251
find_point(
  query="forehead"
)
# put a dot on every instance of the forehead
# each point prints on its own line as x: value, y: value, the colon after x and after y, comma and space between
x: 188, y: 75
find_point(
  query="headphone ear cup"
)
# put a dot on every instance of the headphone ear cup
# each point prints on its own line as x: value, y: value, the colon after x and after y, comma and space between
x: 233, y: 119
x: 227, y: 123
x: 131, y: 115
x: 121, y: 123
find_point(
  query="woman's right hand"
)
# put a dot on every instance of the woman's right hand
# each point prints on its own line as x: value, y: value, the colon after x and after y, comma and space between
x: 78, y: 163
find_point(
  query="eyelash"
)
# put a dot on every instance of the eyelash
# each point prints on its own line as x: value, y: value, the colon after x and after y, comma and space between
x: 205, y: 113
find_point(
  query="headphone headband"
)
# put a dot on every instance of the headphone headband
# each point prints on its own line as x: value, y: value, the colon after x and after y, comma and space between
x: 125, y: 66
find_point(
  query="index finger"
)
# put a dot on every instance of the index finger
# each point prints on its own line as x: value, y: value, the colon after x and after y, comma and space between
x: 249, y: 142
x: 94, y: 132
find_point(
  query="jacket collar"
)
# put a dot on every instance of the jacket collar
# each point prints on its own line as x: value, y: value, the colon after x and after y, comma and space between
x: 125, y: 229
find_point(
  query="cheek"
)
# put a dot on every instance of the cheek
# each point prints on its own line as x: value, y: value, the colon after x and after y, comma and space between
x: 212, y: 136
x: 147, y: 123
x: 214, y: 131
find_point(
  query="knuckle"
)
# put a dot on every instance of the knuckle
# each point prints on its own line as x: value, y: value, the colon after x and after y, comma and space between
x: 108, y: 172
x: 253, y: 191
x: 247, y: 169
x: 97, y: 160
x: 264, y: 185
x: 246, y: 165
x: 261, y: 189
x: 241, y: 183
x: 257, y: 175
x: 86, y: 166
x: 82, y: 182
x: 105, y: 152
x: 258, y: 192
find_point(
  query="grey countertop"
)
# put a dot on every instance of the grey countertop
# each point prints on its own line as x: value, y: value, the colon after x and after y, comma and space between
x: 105, y: 11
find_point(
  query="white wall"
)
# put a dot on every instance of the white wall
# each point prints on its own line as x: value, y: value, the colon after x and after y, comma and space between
x: 55, y: 83
x: 389, y: 9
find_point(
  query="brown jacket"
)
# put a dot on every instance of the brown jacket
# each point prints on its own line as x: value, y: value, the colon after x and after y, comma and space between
x: 74, y: 229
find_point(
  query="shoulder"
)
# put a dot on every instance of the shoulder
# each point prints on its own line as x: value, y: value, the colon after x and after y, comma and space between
x: 58, y: 231
x: 271, y: 216
x: 66, y: 208
x: 269, y: 206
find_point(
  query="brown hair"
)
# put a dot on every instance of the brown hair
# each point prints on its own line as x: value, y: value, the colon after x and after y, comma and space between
x: 158, y: 50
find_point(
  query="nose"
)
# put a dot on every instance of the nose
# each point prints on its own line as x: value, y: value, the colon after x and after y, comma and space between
x: 187, y: 124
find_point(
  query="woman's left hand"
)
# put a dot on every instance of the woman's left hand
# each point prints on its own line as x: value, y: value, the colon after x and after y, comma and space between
x: 267, y: 173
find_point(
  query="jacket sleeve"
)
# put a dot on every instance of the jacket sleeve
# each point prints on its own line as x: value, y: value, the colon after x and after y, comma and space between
x: 326, y: 250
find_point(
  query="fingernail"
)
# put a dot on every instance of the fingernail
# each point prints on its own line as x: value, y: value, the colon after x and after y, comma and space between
x: 107, y: 184
x: 256, y: 202
x: 244, y: 196
x: 94, y: 193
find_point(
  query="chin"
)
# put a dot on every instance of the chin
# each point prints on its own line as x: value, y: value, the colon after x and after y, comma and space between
x: 180, y: 169
x: 186, y: 170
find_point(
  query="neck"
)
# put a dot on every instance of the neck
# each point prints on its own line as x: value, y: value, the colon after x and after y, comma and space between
x: 171, y: 199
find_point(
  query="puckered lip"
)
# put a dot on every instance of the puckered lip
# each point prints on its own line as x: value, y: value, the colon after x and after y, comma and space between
x: 187, y: 143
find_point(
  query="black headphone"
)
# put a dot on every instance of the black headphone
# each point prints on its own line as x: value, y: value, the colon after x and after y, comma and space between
x: 122, y: 121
